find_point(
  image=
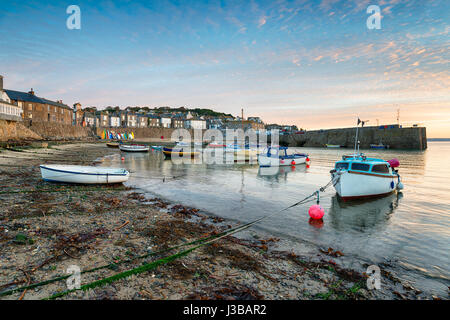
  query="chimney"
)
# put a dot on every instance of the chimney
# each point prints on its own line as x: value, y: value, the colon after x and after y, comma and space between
x: 1, y: 83
x: 31, y: 91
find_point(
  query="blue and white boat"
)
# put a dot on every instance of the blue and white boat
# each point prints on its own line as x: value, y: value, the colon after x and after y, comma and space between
x: 83, y: 174
x: 357, y: 176
x: 278, y: 156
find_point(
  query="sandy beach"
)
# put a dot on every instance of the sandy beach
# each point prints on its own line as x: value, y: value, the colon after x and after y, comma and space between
x: 45, y: 228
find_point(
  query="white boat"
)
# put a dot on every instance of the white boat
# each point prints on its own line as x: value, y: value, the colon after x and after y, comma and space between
x: 278, y: 156
x: 357, y: 176
x: 134, y: 148
x: 83, y: 174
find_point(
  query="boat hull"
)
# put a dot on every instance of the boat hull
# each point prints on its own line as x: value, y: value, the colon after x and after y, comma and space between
x: 265, y: 161
x: 83, y: 174
x: 358, y: 185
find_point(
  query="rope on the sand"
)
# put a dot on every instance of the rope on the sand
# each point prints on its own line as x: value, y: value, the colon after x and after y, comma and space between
x: 162, y: 261
x: 111, y: 265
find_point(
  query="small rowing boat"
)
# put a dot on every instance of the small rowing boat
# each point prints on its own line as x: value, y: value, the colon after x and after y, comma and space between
x: 157, y: 148
x: 332, y: 146
x: 278, y: 156
x: 134, y: 148
x: 83, y: 174
x: 112, y: 144
x: 179, y: 152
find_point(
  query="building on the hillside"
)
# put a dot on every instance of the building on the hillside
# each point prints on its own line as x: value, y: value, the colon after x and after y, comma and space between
x: 103, y: 118
x: 246, y: 125
x: 166, y: 121
x: 128, y: 119
x: 178, y: 121
x: 8, y: 111
x: 114, y: 120
x: 255, y: 119
x: 142, y: 121
x: 35, y: 108
x: 215, y: 123
x: 195, y: 124
x: 153, y: 120
x: 89, y: 119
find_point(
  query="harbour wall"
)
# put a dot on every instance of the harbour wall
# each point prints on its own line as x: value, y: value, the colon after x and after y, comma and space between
x: 413, y: 138
x: 145, y: 133
x: 16, y: 131
x: 59, y: 131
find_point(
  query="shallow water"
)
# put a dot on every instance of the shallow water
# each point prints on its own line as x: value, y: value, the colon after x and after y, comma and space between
x: 408, y: 231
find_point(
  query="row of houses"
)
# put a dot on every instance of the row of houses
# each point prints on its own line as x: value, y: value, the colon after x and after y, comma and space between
x: 18, y: 105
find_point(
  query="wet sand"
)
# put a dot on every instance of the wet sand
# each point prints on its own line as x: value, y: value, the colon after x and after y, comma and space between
x: 46, y: 227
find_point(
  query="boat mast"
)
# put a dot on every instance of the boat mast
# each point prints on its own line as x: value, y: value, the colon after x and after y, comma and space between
x: 356, y: 137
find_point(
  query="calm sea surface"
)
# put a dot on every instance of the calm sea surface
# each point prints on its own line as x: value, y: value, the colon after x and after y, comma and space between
x: 408, y: 232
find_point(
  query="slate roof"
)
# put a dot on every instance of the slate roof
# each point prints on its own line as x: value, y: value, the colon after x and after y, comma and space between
x: 27, y: 97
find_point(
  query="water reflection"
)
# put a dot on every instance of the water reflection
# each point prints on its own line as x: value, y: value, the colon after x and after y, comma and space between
x: 278, y: 174
x: 363, y: 216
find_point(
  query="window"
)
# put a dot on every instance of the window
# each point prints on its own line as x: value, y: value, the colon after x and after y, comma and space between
x: 380, y: 168
x: 360, y: 166
x: 30, y: 107
x: 342, y: 165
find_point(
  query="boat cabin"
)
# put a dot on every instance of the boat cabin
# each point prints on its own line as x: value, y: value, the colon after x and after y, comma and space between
x: 362, y: 164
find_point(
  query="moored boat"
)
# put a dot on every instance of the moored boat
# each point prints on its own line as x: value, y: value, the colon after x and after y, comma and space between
x: 179, y: 152
x: 379, y: 146
x: 112, y: 144
x: 83, y: 174
x: 278, y: 156
x: 357, y: 176
x: 157, y: 148
x: 134, y: 148
x: 332, y: 145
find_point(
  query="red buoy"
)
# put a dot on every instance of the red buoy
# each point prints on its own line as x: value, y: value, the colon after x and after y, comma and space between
x: 316, y: 211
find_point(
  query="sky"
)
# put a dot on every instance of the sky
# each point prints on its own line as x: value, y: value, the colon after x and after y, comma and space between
x: 314, y: 64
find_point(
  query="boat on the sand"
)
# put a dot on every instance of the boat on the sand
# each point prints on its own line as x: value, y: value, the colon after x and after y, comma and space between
x: 134, y: 148
x: 83, y: 174
x: 112, y: 144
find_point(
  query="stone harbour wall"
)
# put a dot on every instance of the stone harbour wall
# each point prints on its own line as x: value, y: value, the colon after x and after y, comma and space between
x: 16, y: 131
x: 414, y: 138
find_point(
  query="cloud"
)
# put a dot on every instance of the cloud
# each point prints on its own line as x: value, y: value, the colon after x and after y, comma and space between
x: 262, y: 21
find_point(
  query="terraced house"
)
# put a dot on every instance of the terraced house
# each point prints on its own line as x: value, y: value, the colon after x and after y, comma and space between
x: 35, y: 108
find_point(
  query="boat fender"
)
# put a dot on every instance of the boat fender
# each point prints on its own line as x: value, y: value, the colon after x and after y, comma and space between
x: 293, y: 163
x: 392, y: 184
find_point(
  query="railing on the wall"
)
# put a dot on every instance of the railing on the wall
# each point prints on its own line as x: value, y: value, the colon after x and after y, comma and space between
x: 10, y: 112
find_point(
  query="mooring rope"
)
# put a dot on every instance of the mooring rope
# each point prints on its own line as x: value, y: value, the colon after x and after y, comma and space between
x: 155, y: 264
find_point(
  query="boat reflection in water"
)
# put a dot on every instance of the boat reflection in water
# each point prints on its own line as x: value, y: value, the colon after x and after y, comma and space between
x: 363, y: 216
x: 278, y: 173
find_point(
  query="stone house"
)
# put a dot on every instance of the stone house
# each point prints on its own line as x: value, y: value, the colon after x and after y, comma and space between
x: 35, y: 108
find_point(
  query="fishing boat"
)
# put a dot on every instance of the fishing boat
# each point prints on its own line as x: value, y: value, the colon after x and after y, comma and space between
x: 134, y: 148
x: 357, y: 176
x: 278, y: 156
x: 332, y: 145
x: 83, y: 174
x: 179, y: 152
